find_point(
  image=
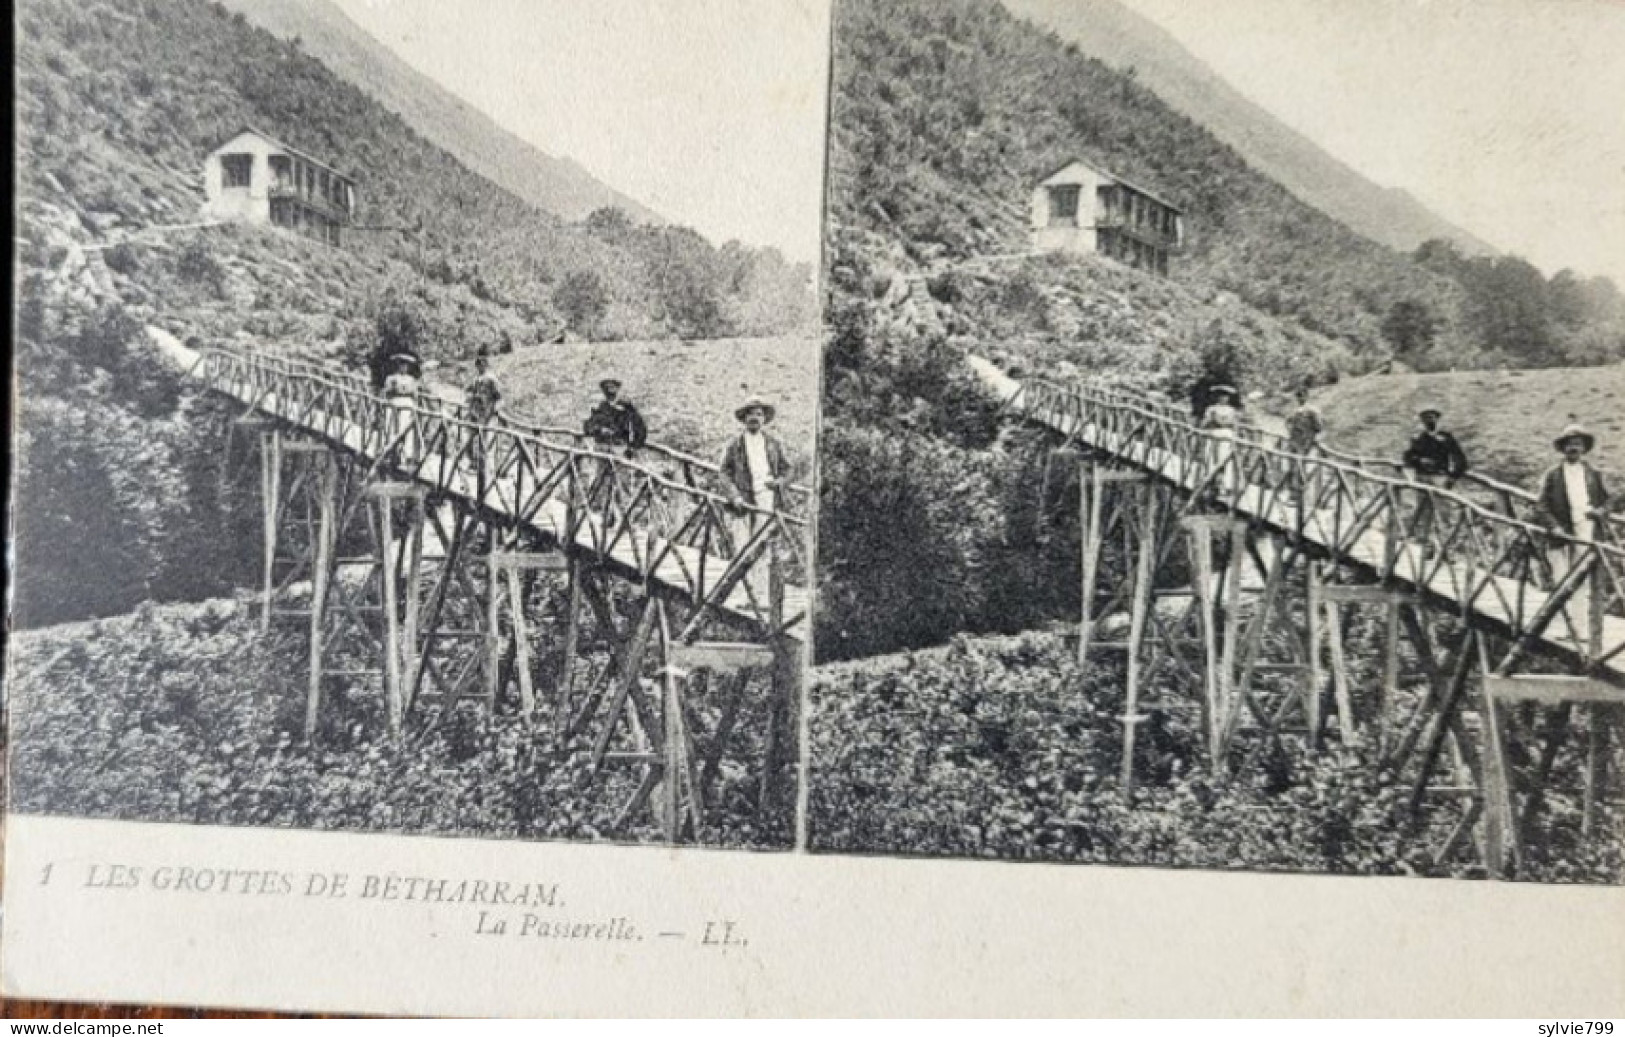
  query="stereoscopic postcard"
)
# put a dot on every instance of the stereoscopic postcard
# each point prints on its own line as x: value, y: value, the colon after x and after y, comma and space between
x: 1089, y: 507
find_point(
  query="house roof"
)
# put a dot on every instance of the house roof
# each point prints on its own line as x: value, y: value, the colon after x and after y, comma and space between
x: 313, y: 160
x: 1114, y: 178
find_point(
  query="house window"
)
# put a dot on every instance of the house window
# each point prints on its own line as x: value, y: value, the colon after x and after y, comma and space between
x: 1063, y: 204
x: 279, y: 170
x: 236, y: 170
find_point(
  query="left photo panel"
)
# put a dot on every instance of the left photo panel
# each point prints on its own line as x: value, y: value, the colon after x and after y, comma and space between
x: 415, y: 418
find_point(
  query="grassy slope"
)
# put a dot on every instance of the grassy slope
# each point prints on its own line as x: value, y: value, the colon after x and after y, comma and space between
x: 687, y: 391
x: 1506, y: 419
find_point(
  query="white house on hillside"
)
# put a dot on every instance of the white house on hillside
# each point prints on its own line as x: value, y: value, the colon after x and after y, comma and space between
x: 1080, y: 209
x: 255, y: 178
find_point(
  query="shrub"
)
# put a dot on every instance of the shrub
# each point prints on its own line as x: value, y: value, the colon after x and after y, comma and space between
x: 197, y: 265
x: 123, y: 258
x: 1011, y: 750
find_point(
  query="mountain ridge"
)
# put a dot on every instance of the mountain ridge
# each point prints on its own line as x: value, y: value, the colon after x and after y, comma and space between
x: 556, y: 184
x: 1113, y: 33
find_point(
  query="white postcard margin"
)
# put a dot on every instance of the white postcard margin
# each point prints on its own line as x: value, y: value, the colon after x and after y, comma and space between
x: 96, y: 911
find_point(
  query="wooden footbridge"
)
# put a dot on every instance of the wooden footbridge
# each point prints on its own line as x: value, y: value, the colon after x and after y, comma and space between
x: 1514, y: 676
x: 439, y: 561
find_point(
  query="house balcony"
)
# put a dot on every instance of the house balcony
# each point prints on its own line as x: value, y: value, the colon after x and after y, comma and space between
x: 312, y: 202
x: 1139, y: 231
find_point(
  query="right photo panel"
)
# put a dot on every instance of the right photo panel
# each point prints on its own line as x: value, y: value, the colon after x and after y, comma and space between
x: 1222, y: 437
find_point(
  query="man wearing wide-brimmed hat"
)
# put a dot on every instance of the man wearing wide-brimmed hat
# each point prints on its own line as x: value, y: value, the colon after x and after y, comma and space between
x: 1573, y: 500
x: 754, y: 470
x: 1571, y: 492
x: 754, y: 466
x: 615, y: 421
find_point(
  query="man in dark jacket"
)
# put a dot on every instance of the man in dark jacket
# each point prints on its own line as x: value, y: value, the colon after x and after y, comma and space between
x: 1434, y: 455
x: 482, y: 394
x: 614, y: 421
x: 1435, y: 459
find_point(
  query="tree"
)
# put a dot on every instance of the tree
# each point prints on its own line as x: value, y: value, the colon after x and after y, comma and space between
x: 1507, y: 310
x: 398, y: 327
x: 608, y: 223
x: 1410, y: 327
x: 583, y: 300
x: 683, y: 268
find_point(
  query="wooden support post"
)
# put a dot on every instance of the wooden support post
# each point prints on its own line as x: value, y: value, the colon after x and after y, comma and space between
x: 493, y: 638
x: 1200, y: 546
x: 521, y: 641
x: 1497, y: 786
x: 781, y: 689
x: 567, y: 667
x: 671, y: 736
x: 270, y: 493
x: 1315, y: 678
x: 322, y: 567
x: 1597, y: 582
x: 1340, y: 671
x: 1595, y: 764
x: 413, y: 619
x: 1091, y: 490
x: 1387, y: 694
x: 1232, y: 635
x: 1144, y: 574
x: 393, y: 690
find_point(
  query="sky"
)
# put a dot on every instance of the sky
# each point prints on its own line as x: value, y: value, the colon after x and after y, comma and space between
x: 1506, y: 117
x: 710, y: 112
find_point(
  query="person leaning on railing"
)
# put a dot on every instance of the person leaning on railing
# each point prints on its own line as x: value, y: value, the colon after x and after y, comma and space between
x: 1575, y: 503
x: 615, y: 421
x: 754, y: 471
x: 1434, y: 458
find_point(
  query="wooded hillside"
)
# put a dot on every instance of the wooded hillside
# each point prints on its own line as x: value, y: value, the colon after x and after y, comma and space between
x: 118, y: 101
x: 944, y: 116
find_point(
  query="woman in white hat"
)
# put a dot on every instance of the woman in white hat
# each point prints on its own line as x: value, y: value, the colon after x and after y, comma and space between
x: 1220, y: 419
x: 401, y: 390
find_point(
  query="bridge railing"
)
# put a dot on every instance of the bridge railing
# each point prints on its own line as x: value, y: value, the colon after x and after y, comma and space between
x: 1495, y: 558
x: 1512, y: 501
x: 667, y: 461
x: 700, y: 541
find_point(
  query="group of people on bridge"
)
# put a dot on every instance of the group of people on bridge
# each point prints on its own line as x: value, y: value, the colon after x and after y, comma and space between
x: 1572, y: 498
x: 754, y: 470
